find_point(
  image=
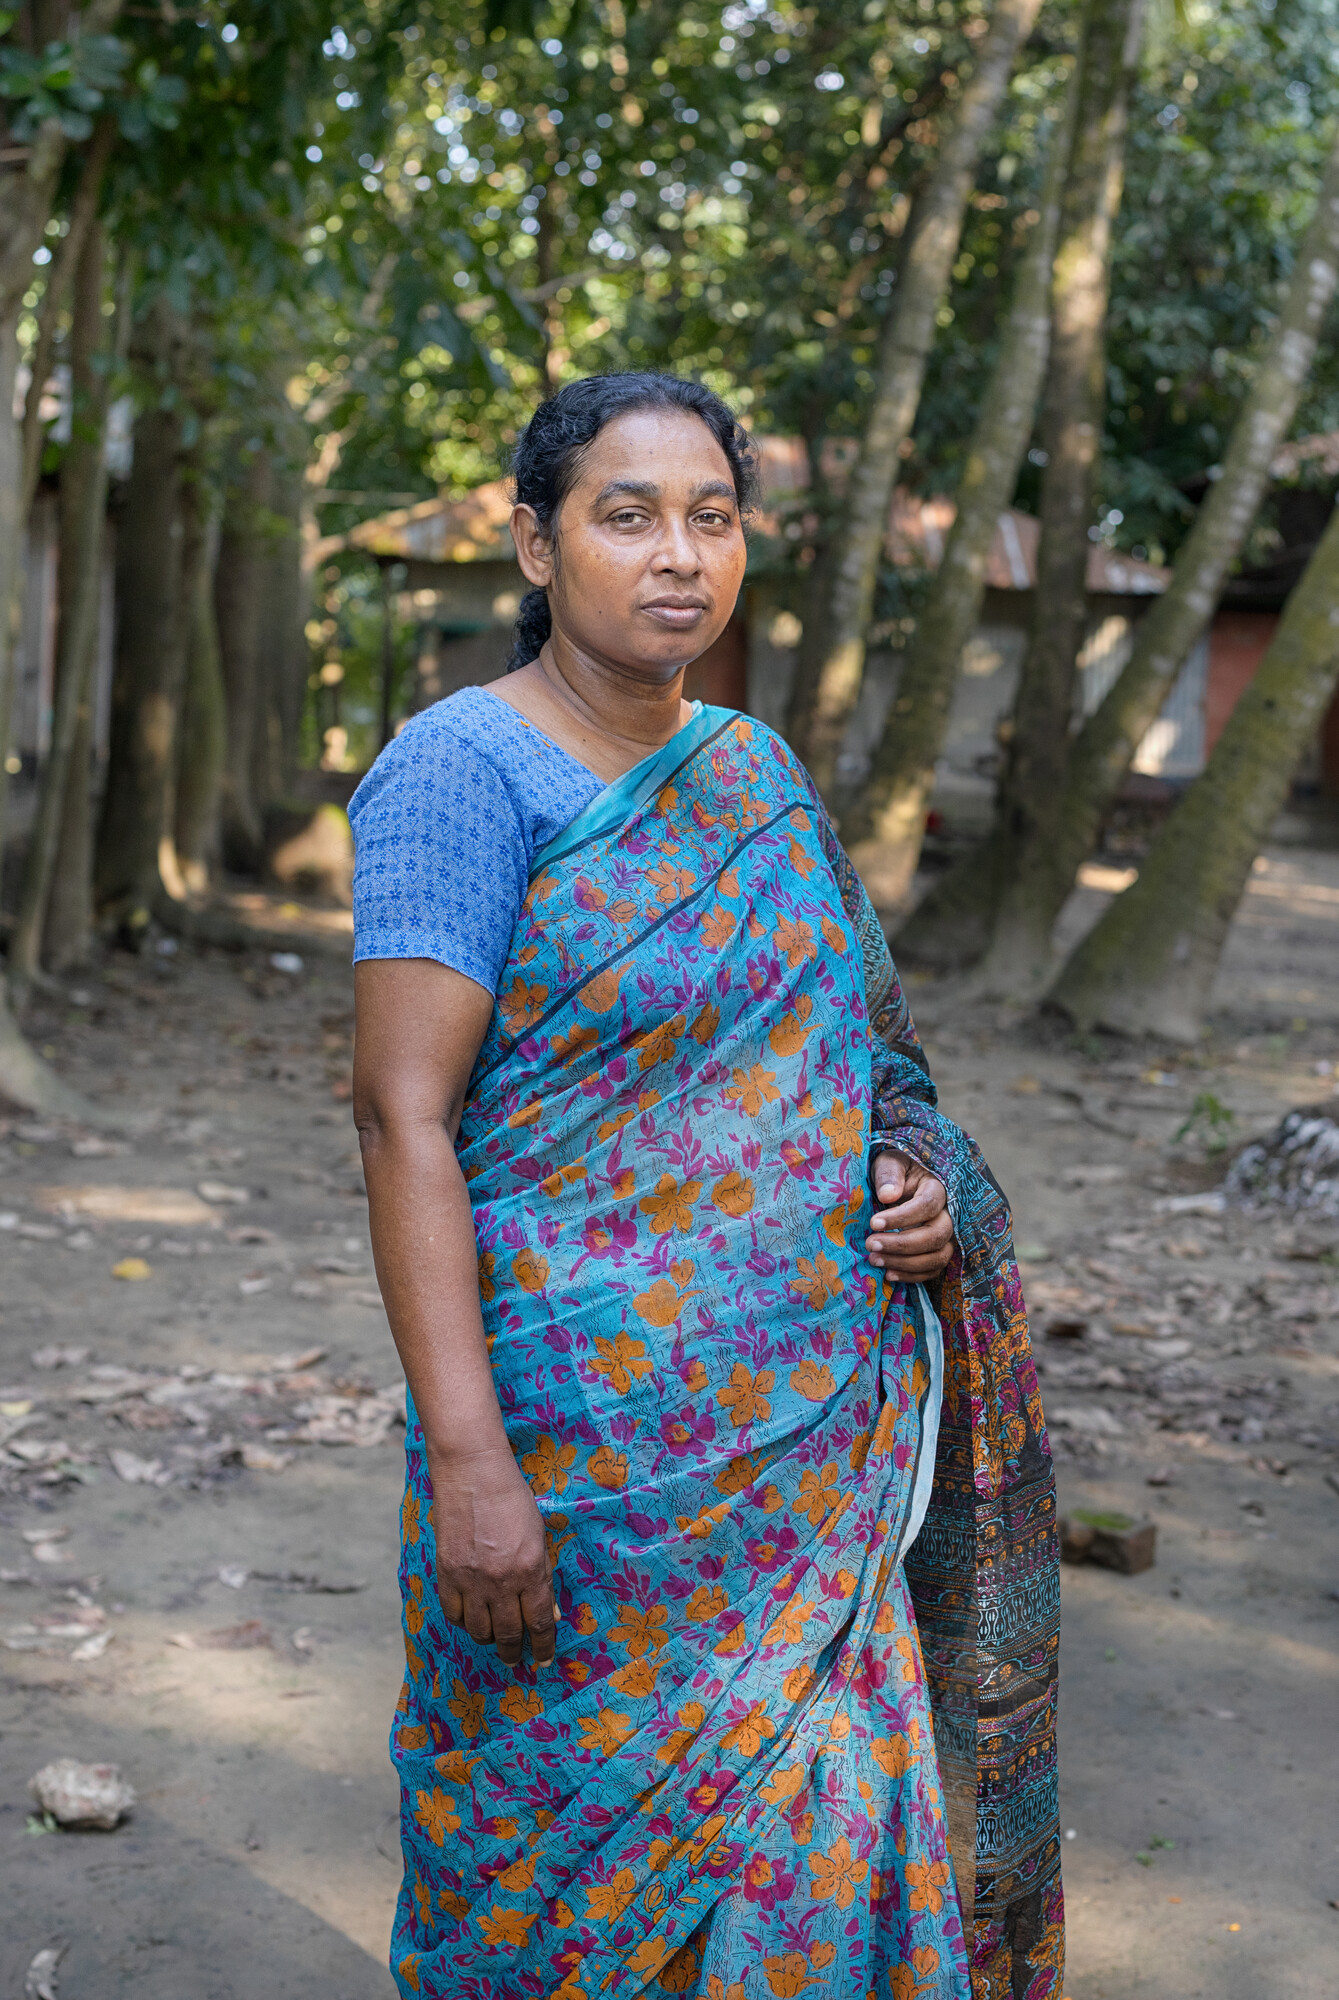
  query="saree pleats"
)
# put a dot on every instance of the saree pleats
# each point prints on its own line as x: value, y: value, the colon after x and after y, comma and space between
x: 729, y: 1781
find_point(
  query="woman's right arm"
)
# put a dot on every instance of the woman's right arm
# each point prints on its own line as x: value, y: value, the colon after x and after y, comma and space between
x: 420, y: 1027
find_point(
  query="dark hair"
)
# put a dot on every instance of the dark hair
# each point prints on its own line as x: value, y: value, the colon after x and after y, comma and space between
x: 550, y: 449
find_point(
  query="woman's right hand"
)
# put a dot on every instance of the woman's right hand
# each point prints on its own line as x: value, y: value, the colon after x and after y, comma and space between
x: 494, y: 1576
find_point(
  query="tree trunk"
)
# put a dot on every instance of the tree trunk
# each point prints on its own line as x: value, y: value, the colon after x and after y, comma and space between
x: 204, y: 722
x: 29, y: 177
x: 831, y: 659
x: 146, y: 681
x: 67, y: 940
x: 11, y: 544
x: 1148, y: 966
x: 886, y: 826
x: 238, y: 598
x: 62, y: 271
x: 83, y: 511
x: 284, y: 661
x: 1019, y: 959
x: 68, y: 932
x: 1102, y: 752
x: 978, y: 905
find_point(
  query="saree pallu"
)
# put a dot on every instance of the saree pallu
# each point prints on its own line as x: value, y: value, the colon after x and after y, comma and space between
x: 738, y: 1776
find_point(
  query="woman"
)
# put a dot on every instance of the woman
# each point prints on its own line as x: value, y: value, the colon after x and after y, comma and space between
x: 630, y: 1049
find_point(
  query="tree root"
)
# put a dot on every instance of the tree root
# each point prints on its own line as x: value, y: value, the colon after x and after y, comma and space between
x: 209, y: 924
x: 30, y: 1084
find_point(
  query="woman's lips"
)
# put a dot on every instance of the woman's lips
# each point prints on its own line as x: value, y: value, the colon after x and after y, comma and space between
x: 679, y: 615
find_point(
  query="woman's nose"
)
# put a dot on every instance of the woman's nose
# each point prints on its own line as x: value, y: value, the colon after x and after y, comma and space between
x: 677, y: 549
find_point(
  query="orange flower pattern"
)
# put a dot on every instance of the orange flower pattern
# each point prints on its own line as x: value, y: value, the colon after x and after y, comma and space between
x: 719, y: 1410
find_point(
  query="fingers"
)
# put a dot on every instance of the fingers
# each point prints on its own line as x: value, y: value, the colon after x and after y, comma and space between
x: 919, y: 1266
x: 508, y: 1631
x: 890, y: 1176
x: 919, y: 1207
x: 539, y: 1611
x: 931, y: 1242
x: 901, y: 1230
x: 478, y: 1621
x: 453, y: 1604
x: 912, y: 1253
x: 921, y: 1196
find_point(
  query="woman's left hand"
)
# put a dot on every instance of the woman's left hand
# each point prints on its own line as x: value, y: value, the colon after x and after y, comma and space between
x: 910, y: 1233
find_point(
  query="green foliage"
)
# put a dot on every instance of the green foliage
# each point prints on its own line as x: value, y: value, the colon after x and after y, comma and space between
x: 1210, y: 1122
x: 65, y: 81
x: 1228, y: 136
x: 1108, y: 1523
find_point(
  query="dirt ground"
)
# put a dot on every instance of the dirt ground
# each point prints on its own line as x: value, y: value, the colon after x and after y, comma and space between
x: 240, y: 1547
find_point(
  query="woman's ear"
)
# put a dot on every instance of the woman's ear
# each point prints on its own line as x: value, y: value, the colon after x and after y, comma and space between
x: 534, y: 550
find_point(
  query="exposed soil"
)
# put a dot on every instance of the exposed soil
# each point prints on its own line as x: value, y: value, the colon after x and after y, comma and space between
x: 247, y: 1688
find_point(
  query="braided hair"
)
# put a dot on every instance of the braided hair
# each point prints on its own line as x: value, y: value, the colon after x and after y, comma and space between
x: 548, y: 458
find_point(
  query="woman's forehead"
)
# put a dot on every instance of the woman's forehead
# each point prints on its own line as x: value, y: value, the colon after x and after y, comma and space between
x: 672, y: 447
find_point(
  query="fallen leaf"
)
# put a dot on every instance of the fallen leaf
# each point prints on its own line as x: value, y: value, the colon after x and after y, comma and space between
x: 258, y: 1458
x: 93, y: 1648
x: 1087, y: 1419
x: 137, y: 1471
x: 40, y: 1980
x: 174, y: 1208
x: 133, y: 1269
x: 242, y: 1638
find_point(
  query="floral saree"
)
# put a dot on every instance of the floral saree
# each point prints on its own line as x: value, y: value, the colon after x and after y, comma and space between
x: 780, y: 1750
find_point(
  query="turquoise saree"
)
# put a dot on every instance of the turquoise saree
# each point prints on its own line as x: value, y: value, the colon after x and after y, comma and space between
x: 801, y: 1719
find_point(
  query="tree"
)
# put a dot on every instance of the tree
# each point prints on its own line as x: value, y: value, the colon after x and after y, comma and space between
x: 56, y: 66
x: 885, y: 828
x: 239, y: 593
x: 203, y: 746
x: 1148, y: 966
x: 981, y: 903
x: 1105, y: 745
x: 831, y: 658
x: 148, y: 672
x: 83, y: 508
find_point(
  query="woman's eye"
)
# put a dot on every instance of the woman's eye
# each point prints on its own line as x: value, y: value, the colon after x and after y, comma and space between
x: 712, y: 518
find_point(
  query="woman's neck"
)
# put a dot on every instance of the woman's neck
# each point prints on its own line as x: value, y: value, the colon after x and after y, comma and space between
x: 607, y: 719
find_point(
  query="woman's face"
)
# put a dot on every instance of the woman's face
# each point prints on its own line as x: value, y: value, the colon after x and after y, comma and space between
x: 648, y: 552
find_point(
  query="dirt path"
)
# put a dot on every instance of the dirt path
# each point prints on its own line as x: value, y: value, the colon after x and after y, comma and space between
x: 248, y: 1685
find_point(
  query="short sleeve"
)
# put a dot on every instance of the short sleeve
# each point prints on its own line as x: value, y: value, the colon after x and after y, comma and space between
x: 440, y: 860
